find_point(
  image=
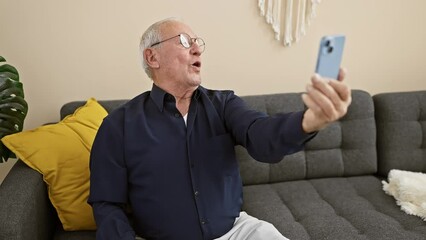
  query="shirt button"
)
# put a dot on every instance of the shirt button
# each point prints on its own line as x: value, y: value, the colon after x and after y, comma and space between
x: 204, y: 221
x: 177, y: 115
x: 196, y: 193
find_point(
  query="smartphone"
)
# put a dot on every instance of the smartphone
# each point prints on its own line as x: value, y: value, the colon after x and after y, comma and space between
x: 330, y: 56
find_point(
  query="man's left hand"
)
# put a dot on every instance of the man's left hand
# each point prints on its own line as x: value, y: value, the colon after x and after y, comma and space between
x: 327, y: 100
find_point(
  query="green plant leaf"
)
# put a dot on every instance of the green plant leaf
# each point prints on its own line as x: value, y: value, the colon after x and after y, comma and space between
x: 13, y: 107
x: 5, y: 153
x: 8, y: 71
x: 11, y: 85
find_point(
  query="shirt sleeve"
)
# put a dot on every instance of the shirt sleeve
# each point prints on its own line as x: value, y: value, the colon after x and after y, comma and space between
x: 266, y: 138
x: 112, y: 222
x: 108, y: 182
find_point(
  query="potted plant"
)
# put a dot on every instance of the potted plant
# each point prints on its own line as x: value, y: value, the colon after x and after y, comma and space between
x: 13, y: 107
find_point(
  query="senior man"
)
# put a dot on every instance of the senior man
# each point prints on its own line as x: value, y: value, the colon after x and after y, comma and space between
x: 169, y: 152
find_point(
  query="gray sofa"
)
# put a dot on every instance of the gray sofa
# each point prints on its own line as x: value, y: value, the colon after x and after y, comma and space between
x: 331, y: 190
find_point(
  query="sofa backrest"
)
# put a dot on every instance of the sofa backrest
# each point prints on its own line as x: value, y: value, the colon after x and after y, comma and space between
x: 401, y: 126
x: 70, y: 107
x: 345, y: 148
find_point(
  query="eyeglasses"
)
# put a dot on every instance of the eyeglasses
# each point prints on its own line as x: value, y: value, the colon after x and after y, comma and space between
x: 186, y: 41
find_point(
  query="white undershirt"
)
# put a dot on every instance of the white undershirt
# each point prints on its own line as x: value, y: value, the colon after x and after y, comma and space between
x: 185, y: 118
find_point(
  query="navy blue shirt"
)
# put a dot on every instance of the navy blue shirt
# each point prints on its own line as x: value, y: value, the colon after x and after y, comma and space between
x: 182, y: 182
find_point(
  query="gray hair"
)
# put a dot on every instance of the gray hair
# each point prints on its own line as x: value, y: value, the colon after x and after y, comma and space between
x: 152, y: 35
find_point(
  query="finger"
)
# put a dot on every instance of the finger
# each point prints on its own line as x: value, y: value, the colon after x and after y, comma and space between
x: 327, y: 89
x: 313, y: 118
x: 342, y: 74
x: 345, y: 94
x: 342, y: 89
x: 311, y: 104
x: 325, y: 105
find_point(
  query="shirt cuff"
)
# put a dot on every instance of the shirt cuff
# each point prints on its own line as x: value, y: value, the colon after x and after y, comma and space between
x: 302, y: 137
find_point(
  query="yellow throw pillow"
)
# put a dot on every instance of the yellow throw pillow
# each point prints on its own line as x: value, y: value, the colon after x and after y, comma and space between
x: 60, y: 152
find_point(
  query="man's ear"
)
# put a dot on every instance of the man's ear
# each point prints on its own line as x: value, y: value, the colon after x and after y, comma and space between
x: 151, y: 58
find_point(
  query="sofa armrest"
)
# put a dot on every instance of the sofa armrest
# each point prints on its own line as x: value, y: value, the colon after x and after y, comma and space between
x: 25, y: 209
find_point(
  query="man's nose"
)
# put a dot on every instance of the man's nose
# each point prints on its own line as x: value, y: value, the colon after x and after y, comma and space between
x: 195, y: 49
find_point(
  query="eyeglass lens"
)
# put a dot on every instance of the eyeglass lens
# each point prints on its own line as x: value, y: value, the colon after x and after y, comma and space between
x: 187, y: 41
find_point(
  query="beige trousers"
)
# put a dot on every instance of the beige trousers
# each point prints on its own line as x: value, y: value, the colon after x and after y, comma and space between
x: 247, y: 227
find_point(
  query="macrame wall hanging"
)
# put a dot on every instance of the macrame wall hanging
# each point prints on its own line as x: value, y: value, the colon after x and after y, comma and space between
x: 289, y: 18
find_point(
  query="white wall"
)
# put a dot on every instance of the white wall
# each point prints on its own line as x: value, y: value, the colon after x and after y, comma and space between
x: 73, y: 50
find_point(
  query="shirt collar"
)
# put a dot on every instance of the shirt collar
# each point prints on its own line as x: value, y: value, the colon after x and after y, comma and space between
x: 158, y: 95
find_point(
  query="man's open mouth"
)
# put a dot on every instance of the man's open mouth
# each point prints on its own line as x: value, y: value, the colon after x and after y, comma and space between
x: 197, y: 64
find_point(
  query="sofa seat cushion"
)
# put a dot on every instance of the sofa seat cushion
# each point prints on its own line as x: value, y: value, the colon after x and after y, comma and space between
x: 332, y: 208
x: 75, y: 235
